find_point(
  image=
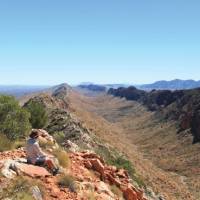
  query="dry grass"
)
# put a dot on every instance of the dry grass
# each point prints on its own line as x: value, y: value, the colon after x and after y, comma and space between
x: 67, y: 181
x: 115, y: 190
x: 19, y: 189
x: 45, y: 144
x: 63, y: 157
x: 91, y: 195
x: 5, y: 143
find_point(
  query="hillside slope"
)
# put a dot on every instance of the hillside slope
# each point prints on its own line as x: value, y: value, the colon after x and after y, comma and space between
x: 167, y: 162
x: 84, y: 174
x: 180, y: 106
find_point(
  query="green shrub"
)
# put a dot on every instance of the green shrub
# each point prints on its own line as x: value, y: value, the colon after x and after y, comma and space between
x: 67, y: 181
x: 59, y: 137
x: 14, y: 120
x: 38, y: 113
x: 121, y: 162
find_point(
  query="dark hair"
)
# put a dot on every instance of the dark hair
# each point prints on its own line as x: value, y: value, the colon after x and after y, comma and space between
x: 34, y: 134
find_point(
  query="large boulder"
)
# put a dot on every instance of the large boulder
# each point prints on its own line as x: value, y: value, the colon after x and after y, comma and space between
x: 10, y: 168
x: 32, y: 170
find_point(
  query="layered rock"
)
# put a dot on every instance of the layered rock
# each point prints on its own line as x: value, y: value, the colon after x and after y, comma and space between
x: 111, y: 175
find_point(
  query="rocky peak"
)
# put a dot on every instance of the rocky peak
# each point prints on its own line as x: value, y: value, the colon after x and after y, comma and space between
x: 61, y: 90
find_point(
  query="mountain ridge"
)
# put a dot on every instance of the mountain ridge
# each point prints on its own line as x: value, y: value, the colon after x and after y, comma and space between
x: 176, y: 84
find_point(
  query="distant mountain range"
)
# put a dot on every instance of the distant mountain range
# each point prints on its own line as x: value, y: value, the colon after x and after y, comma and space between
x: 176, y: 84
x: 20, y: 90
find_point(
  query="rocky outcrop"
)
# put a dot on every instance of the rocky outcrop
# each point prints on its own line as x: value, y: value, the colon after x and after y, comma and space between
x: 92, y: 177
x: 130, y: 93
x: 18, y: 166
x: 111, y: 175
x: 61, y: 91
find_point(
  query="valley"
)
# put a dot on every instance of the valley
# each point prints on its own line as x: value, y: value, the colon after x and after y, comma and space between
x: 166, y: 161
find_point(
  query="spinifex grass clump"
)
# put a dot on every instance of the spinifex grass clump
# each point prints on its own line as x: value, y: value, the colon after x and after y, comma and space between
x: 19, y: 189
x: 68, y: 182
x: 62, y: 156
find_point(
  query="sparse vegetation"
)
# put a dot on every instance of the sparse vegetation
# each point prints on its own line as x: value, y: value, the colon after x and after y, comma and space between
x: 18, y: 190
x: 91, y: 195
x: 113, y: 158
x: 122, y: 162
x: 45, y: 144
x: 115, y: 190
x: 67, y: 181
x: 18, y: 144
x: 38, y: 113
x: 5, y: 143
x: 62, y: 157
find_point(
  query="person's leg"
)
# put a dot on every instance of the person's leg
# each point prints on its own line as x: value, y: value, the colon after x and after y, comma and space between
x: 50, y: 164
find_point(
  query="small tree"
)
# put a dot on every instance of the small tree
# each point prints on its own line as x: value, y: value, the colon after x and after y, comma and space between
x: 14, y: 120
x: 38, y: 113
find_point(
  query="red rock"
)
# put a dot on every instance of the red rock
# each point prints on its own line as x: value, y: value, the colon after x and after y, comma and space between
x: 113, y: 180
x: 92, y: 156
x: 130, y: 194
x: 122, y: 173
x: 97, y: 165
x: 33, y: 171
x: 139, y: 194
x: 49, y: 180
x: 88, y: 164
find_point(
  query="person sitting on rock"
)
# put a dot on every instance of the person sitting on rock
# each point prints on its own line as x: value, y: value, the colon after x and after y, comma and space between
x: 36, y: 156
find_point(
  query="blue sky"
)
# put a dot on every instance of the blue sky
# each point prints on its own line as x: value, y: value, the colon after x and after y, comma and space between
x: 46, y: 42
